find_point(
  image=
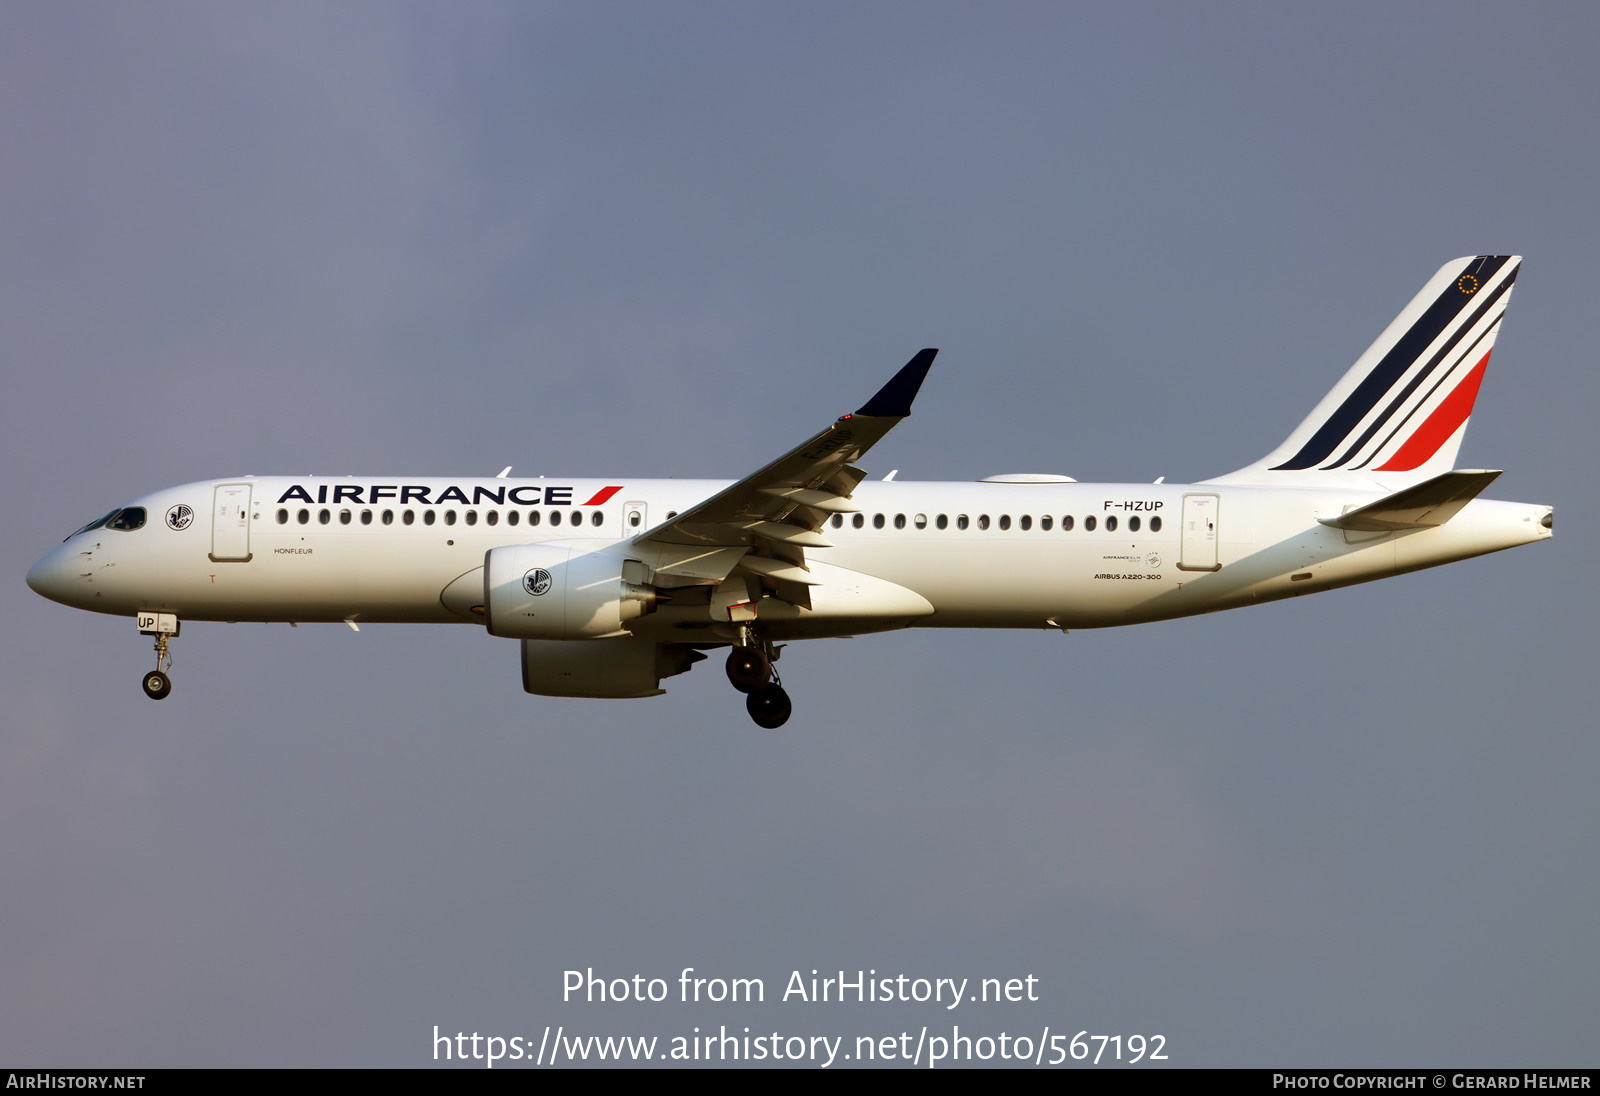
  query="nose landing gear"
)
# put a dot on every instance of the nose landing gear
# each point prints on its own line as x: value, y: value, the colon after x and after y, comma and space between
x: 750, y: 670
x: 163, y: 626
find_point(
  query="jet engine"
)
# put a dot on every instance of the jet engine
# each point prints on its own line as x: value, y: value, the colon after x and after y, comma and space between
x: 562, y: 590
x: 613, y: 668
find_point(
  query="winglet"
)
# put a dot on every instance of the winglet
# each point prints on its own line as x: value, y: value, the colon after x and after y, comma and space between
x: 894, y: 399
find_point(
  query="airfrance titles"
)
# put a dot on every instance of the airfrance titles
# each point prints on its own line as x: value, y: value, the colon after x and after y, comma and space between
x: 527, y: 494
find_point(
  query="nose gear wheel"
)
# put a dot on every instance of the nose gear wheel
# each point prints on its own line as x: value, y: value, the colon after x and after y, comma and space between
x: 157, y: 685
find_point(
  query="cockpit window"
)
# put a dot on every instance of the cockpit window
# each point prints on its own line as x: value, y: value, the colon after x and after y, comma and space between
x: 97, y: 523
x: 128, y: 519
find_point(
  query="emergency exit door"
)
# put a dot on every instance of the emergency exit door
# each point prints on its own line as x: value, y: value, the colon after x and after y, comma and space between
x: 1199, y: 551
x: 635, y: 518
x: 230, y: 523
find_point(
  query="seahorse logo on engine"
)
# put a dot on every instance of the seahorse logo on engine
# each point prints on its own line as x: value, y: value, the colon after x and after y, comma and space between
x: 537, y: 581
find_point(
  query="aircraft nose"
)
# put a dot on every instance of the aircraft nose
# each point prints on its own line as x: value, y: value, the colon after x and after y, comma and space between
x: 52, y: 576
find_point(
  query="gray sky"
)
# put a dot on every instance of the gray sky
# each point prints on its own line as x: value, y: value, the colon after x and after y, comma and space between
x: 644, y: 239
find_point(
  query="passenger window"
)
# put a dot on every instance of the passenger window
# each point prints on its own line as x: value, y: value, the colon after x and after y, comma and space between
x: 322, y: 517
x: 1133, y: 524
x: 344, y: 517
x: 472, y: 517
x: 1111, y: 524
x: 283, y: 517
x: 304, y: 516
x: 1044, y: 523
x: 428, y: 517
x: 407, y: 517
x: 511, y: 517
x: 1155, y: 524
x: 1088, y: 523
x: 942, y: 521
x: 877, y: 521
x: 859, y: 520
x: 983, y: 521
x: 837, y: 521
x: 899, y: 521
x: 920, y: 521
x: 670, y: 515
x: 595, y: 519
x: 961, y: 521
x: 449, y: 517
x: 1066, y: 524
x: 366, y: 517
x: 533, y: 517
x: 555, y: 517
x: 1005, y: 521
x: 492, y: 517
x: 388, y: 517
x: 1025, y: 522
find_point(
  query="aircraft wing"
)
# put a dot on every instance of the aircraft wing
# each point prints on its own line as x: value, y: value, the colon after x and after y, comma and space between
x: 759, y: 528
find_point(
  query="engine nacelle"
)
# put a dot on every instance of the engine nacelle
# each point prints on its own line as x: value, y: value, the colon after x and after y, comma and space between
x: 615, y: 668
x: 562, y: 589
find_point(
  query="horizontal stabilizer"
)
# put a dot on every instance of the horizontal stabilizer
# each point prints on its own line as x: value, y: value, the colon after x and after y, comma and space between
x: 1429, y: 503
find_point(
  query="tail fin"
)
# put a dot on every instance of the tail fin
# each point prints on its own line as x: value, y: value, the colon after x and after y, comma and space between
x: 1398, y: 416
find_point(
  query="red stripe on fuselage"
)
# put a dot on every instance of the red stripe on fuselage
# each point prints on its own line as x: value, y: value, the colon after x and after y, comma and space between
x: 602, y: 494
x: 1445, y: 421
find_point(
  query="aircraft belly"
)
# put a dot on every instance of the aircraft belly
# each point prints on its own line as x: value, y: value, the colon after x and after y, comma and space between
x: 1010, y: 583
x: 323, y: 577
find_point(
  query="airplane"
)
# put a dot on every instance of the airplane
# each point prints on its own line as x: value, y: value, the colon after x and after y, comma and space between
x: 610, y: 587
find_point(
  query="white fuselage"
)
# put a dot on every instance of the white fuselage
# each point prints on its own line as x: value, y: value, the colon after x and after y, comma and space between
x: 980, y: 554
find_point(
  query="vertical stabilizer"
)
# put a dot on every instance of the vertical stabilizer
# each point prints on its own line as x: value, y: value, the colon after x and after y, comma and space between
x: 1398, y: 416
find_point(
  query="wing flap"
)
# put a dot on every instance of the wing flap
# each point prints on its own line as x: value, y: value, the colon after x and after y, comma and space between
x: 777, y: 569
x: 826, y: 501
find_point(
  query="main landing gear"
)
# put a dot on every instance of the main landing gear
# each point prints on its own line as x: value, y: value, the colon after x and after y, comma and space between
x: 750, y: 671
x: 164, y: 626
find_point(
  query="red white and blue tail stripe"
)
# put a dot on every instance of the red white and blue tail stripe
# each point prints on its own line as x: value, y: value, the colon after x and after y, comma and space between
x: 1399, y: 414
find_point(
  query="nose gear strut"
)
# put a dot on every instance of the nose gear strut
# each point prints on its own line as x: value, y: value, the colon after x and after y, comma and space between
x: 156, y: 683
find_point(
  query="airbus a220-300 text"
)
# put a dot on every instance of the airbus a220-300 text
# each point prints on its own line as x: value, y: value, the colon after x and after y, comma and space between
x: 610, y: 587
